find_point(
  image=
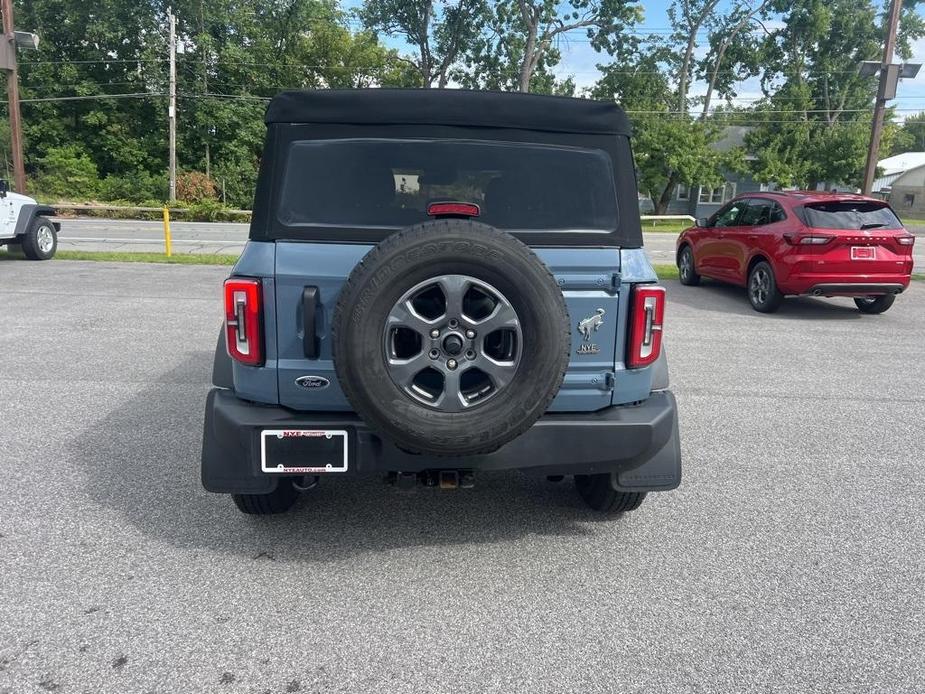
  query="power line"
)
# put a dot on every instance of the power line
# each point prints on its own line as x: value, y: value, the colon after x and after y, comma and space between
x: 187, y: 62
x: 85, y: 83
x: 740, y: 118
x: 90, y: 97
x: 111, y: 61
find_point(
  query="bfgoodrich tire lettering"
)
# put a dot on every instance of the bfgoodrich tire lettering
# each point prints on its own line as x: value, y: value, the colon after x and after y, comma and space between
x: 429, y: 251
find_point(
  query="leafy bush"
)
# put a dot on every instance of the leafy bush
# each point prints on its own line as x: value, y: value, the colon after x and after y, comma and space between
x: 136, y: 187
x: 195, y: 186
x: 212, y: 211
x: 67, y: 171
x: 238, y: 177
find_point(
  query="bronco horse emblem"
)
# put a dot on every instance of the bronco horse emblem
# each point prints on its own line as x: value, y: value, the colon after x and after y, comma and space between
x: 591, y: 324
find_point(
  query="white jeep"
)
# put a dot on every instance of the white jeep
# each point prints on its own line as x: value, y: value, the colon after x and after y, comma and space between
x: 25, y: 223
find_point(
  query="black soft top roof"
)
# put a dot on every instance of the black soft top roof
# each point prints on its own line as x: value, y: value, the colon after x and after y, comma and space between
x: 449, y: 107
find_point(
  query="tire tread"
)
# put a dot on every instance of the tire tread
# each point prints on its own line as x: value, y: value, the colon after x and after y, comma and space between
x: 279, y: 500
x: 599, y: 494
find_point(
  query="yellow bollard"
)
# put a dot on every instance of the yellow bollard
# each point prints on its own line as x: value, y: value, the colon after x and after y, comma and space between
x: 168, y: 249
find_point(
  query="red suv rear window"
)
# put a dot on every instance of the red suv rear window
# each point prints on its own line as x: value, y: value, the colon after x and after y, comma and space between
x: 848, y: 214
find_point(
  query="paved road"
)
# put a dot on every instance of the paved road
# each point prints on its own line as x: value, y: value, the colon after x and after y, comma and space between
x: 789, y: 561
x: 223, y: 237
x: 130, y: 235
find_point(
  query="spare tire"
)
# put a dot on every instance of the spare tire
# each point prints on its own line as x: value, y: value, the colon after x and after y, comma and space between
x: 451, y: 338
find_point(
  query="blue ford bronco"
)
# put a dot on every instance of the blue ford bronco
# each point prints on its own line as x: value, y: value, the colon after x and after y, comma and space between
x: 439, y: 282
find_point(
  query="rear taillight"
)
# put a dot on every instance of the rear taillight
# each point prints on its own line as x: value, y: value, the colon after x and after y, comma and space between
x: 646, y: 315
x: 906, y: 240
x: 243, y: 330
x: 810, y: 240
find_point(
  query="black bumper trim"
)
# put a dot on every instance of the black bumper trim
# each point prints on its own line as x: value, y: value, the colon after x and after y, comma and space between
x: 640, y: 443
x: 856, y: 289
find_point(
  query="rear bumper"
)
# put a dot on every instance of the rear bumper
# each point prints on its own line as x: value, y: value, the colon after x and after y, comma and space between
x: 843, y: 284
x: 640, y: 443
x: 856, y: 288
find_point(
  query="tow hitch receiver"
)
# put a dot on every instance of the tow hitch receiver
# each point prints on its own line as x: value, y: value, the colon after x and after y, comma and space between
x: 444, y: 479
x: 449, y: 479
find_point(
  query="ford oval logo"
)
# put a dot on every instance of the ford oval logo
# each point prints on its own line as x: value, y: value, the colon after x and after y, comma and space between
x: 312, y: 382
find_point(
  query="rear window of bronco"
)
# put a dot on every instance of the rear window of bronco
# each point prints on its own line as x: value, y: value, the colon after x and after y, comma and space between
x: 389, y: 183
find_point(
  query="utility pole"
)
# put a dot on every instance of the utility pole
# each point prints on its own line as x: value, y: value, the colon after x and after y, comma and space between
x: 206, y: 54
x: 205, y: 90
x: 889, y: 77
x: 172, y: 108
x: 12, y: 39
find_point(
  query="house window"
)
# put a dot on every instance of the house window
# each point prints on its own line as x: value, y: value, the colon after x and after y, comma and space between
x: 712, y: 196
x: 909, y: 199
x: 684, y: 193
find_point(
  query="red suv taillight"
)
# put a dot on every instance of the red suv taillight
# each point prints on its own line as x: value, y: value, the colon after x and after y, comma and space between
x: 243, y: 331
x: 647, y: 313
x: 808, y: 240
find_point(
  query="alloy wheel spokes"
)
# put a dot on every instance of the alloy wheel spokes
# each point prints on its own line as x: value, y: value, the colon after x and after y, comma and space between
x: 45, y: 239
x: 452, y: 342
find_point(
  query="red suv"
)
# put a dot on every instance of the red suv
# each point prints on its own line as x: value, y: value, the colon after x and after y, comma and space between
x: 801, y: 243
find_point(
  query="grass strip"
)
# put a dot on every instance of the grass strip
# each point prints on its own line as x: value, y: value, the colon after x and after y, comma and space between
x: 666, y: 271
x: 128, y: 257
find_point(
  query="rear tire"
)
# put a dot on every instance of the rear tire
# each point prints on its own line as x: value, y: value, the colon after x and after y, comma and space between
x: 279, y: 500
x: 41, y: 241
x: 763, y: 293
x: 686, y: 271
x: 599, y: 493
x: 874, y: 304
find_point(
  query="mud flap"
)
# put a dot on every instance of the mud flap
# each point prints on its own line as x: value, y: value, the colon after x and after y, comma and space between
x: 661, y: 473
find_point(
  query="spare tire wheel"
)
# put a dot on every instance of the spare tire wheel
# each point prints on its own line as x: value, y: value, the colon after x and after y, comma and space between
x: 451, y: 338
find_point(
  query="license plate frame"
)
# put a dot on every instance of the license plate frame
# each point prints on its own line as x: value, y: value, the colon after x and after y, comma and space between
x: 279, y: 447
x: 863, y: 253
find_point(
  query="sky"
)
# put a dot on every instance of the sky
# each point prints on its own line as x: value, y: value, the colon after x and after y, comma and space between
x: 579, y: 61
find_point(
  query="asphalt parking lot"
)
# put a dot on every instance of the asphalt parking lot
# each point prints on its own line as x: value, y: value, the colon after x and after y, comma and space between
x: 790, y: 559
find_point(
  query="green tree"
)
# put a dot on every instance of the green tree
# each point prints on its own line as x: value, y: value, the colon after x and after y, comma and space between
x: 814, y: 122
x: 734, y: 51
x: 233, y: 57
x: 687, y: 18
x: 69, y: 172
x: 88, y: 50
x: 519, y: 39
x: 237, y: 56
x: 439, y: 31
x: 671, y: 148
x: 910, y: 136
